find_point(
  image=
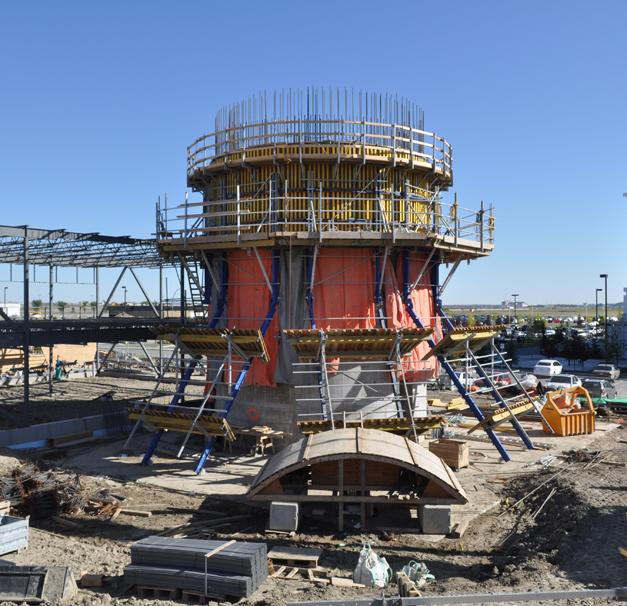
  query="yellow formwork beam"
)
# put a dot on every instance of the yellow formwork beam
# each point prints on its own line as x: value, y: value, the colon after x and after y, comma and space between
x: 500, y: 415
x: 181, y: 422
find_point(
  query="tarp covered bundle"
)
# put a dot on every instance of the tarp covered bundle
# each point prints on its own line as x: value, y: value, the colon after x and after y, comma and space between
x: 212, y: 568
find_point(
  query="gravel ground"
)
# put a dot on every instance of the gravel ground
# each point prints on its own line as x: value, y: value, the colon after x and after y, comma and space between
x: 572, y: 542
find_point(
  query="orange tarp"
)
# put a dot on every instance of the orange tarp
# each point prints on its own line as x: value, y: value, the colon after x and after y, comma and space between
x: 422, y: 299
x: 344, y: 288
x: 248, y: 303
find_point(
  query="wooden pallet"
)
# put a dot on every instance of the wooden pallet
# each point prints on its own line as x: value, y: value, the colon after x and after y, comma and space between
x: 177, y: 595
x: 294, y: 557
x: 406, y: 587
x: 285, y: 572
x: 158, y: 593
x: 293, y: 573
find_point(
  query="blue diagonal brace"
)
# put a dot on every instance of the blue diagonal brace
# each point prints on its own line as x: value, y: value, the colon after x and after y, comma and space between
x: 187, y: 375
x: 447, y: 367
x: 274, y: 300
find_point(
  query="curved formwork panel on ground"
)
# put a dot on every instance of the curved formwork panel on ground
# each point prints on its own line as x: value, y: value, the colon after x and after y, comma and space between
x: 323, y: 466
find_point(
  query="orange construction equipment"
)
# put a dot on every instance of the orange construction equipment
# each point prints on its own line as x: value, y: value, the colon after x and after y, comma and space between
x: 569, y: 412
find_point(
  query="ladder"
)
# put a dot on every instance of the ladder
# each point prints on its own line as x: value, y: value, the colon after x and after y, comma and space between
x: 494, y: 364
x: 198, y: 299
x: 487, y: 368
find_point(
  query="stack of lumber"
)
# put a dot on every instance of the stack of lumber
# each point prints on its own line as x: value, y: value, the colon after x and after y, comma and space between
x: 455, y: 453
x: 216, y: 569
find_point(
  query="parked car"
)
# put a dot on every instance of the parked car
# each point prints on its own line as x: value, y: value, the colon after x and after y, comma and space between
x: 547, y: 368
x: 549, y: 332
x: 563, y: 382
x: 600, y: 388
x: 607, y: 371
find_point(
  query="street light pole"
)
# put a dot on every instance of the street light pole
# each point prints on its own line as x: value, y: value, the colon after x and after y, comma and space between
x: 604, y: 276
x: 124, y: 288
x: 596, y: 305
x: 515, y: 308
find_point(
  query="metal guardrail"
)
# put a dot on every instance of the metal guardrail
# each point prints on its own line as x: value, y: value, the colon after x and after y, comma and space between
x: 419, y: 146
x: 319, y: 214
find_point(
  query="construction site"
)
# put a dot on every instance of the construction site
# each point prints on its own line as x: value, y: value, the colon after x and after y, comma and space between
x: 299, y: 427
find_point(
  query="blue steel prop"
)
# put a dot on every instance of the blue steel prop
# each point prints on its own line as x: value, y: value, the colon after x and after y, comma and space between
x: 189, y: 370
x: 274, y: 301
x: 445, y: 364
x: 378, y: 302
x: 495, y: 392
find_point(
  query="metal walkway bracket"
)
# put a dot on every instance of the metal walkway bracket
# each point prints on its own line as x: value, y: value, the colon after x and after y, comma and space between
x: 369, y: 346
x: 464, y: 343
x: 227, y: 348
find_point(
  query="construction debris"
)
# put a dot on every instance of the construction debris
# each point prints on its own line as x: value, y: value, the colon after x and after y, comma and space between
x: 417, y: 573
x: 41, y: 494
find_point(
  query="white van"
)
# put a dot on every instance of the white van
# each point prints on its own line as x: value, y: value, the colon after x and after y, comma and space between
x: 547, y: 368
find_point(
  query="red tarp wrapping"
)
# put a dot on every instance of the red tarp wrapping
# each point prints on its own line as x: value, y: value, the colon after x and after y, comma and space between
x: 423, y: 303
x: 344, y: 288
x: 248, y: 303
x: 343, y: 298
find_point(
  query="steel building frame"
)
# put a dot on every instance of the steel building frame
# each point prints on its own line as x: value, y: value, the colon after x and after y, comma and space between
x: 26, y: 246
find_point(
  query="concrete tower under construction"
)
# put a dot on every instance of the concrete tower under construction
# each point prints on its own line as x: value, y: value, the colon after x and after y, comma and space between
x: 312, y: 261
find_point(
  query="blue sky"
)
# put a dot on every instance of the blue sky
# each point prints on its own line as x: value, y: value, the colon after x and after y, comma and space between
x: 98, y: 101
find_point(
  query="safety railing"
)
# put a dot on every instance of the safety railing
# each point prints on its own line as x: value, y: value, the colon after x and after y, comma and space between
x: 339, y: 136
x: 320, y: 214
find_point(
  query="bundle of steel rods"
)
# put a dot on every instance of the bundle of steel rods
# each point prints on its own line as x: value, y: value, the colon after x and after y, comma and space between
x: 211, y: 568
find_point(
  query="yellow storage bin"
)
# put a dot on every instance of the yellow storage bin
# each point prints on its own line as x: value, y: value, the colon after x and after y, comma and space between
x: 569, y: 412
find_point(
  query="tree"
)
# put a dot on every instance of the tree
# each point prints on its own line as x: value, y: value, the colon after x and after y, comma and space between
x: 549, y: 346
x: 613, y: 350
x: 93, y: 306
x: 471, y: 321
x: 539, y: 325
x: 61, y: 305
x: 37, y: 304
x: 82, y: 305
x: 511, y: 352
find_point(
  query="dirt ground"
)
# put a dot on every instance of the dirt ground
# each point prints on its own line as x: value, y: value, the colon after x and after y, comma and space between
x: 573, y: 542
x: 76, y: 398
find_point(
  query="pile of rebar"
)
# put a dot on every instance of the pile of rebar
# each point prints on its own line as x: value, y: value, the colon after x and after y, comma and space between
x: 41, y: 494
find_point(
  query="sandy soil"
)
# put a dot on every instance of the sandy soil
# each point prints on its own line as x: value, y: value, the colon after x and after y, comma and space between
x: 572, y: 542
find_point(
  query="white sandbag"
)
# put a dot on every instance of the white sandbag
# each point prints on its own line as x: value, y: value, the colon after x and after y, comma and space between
x: 371, y: 570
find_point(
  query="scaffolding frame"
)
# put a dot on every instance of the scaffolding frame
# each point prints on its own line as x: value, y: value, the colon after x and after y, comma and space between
x: 234, y: 385
x: 225, y: 353
x: 373, y: 348
x: 448, y: 344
